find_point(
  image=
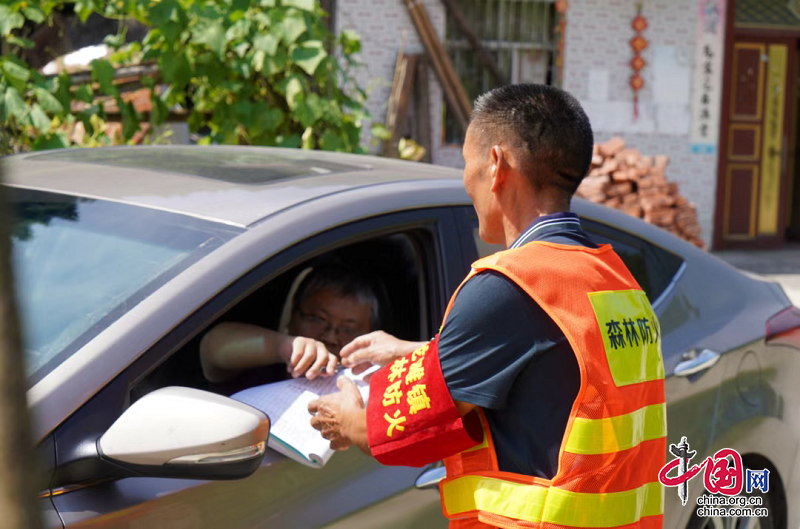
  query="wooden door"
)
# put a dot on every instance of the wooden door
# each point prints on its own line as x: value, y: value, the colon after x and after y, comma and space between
x: 756, y: 143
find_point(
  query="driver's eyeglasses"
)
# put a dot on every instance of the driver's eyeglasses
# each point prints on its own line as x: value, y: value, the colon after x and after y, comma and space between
x: 319, y: 325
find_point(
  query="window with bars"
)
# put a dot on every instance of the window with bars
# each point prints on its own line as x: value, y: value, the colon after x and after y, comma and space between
x: 519, y: 36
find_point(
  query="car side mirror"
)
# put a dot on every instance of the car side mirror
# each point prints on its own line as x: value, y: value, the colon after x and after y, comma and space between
x: 187, y: 433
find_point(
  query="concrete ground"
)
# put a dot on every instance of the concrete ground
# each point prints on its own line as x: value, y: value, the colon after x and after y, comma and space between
x: 781, y: 265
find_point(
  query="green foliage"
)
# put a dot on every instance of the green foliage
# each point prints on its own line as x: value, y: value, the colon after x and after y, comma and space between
x: 252, y: 72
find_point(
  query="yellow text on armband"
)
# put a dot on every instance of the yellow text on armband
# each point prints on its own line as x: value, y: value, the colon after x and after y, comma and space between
x: 397, y: 368
x: 392, y: 395
x: 419, y: 353
x: 418, y: 399
x: 394, y: 422
x: 415, y: 372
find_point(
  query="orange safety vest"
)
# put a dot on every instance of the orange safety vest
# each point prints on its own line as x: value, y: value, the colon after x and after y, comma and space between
x: 615, y: 441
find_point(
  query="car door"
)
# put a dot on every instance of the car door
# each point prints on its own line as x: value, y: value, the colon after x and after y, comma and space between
x: 281, y: 493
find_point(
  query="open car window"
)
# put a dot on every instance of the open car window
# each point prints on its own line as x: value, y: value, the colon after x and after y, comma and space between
x: 401, y: 267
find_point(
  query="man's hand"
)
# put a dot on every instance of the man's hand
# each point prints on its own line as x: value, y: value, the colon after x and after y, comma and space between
x: 341, y: 417
x: 304, y: 355
x: 376, y: 348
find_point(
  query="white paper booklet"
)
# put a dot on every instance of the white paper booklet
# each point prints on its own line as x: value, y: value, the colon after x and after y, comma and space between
x: 286, y: 404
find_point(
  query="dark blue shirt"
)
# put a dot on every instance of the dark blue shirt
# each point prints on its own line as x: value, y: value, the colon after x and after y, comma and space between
x: 499, y: 350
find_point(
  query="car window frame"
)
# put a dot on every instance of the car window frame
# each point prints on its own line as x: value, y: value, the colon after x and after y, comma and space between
x: 273, y: 266
x: 113, y: 398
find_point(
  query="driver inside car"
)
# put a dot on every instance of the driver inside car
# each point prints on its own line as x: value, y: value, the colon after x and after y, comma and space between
x: 331, y: 307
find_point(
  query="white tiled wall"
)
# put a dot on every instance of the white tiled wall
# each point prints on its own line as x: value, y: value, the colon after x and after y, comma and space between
x: 597, y: 52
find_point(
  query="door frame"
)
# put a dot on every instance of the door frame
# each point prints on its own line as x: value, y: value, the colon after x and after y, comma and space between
x: 779, y: 35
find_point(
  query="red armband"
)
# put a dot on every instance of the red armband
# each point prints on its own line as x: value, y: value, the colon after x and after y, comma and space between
x: 411, y: 417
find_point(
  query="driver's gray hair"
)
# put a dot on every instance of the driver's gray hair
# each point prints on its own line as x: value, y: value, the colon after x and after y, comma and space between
x: 345, y: 283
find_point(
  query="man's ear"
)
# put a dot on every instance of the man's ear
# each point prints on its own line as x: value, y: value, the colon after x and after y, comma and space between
x: 499, y: 167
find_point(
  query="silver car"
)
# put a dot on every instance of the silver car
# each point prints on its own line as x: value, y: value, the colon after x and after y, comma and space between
x: 125, y: 257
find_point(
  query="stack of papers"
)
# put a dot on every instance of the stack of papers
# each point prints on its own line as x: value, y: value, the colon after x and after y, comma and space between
x: 286, y: 405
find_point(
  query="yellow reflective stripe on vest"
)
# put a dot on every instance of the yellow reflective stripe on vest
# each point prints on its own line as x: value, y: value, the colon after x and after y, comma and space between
x: 612, y: 434
x: 631, y: 335
x: 539, y: 504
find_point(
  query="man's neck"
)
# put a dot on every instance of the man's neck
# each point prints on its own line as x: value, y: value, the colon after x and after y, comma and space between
x: 513, y: 228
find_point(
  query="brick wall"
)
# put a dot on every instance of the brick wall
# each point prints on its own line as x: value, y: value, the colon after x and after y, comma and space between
x: 596, y: 71
x: 383, y: 25
x: 596, y: 49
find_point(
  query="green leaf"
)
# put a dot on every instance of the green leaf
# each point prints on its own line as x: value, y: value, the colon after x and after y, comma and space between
x: 14, y: 104
x: 84, y: 93
x: 61, y: 89
x: 270, y: 119
x: 165, y: 12
x: 212, y: 34
x: 305, y: 5
x: 291, y: 141
x: 309, y: 55
x: 241, y: 49
x: 9, y: 20
x: 103, y: 73
x: 240, y: 5
x: 34, y: 14
x: 294, y: 92
x: 19, y: 41
x: 243, y: 67
x: 267, y: 43
x: 175, y: 68
x: 315, y: 105
x: 292, y: 27
x: 380, y: 131
x: 262, y: 20
x: 308, y: 138
x: 240, y: 30
x: 159, y: 111
x: 15, y: 74
x: 130, y: 121
x: 258, y: 60
x: 330, y: 141
x: 115, y: 41
x: 84, y: 8
x: 57, y: 140
x: 350, y: 42
x: 39, y: 119
x: 48, y: 101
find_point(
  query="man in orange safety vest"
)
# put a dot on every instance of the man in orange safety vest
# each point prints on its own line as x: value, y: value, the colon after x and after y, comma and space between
x: 544, y: 391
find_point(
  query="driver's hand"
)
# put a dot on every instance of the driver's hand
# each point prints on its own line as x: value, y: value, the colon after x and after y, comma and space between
x: 307, y: 356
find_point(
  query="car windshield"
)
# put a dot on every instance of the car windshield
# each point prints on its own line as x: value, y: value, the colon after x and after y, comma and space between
x: 80, y: 264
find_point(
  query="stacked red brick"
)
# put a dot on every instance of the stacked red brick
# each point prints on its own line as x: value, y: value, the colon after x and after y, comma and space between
x: 623, y: 179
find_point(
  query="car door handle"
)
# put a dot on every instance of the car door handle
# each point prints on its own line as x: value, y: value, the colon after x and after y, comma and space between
x: 706, y: 359
x: 430, y: 478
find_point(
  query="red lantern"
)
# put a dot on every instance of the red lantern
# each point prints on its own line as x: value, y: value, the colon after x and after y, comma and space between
x: 637, y: 63
x: 639, y: 23
x: 636, y: 82
x: 638, y: 44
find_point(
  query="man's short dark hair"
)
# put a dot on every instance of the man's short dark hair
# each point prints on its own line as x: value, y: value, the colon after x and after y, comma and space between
x: 545, y: 123
x: 344, y: 282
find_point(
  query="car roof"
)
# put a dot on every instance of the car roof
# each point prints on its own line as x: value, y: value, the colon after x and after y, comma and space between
x: 228, y: 184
